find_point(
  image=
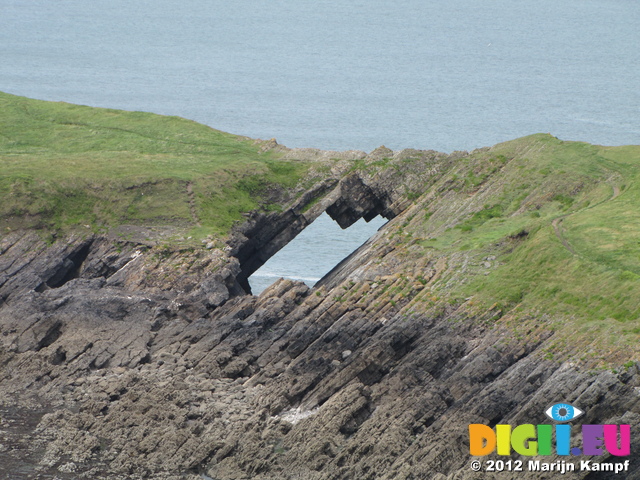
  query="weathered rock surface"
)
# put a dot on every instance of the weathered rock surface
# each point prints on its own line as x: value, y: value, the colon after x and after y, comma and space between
x: 121, y: 361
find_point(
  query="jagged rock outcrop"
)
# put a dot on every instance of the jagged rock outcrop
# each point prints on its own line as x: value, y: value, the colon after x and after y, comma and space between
x: 121, y: 360
x: 346, y: 195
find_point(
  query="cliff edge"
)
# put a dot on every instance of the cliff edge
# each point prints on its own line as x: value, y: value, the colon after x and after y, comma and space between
x: 131, y: 346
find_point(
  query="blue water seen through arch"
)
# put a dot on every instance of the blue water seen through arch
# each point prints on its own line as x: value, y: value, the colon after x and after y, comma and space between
x: 314, y: 252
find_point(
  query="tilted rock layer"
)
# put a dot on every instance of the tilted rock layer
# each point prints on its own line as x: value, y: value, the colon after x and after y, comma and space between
x: 122, y: 360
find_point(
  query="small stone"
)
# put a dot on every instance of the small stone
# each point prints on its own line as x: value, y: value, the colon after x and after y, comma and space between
x: 67, y: 467
x: 346, y: 354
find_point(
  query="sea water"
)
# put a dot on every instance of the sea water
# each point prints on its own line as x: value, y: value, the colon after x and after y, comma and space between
x: 331, y: 74
x: 314, y: 252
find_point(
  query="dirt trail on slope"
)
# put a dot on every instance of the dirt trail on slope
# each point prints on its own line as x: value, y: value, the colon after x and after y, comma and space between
x: 556, y: 227
x: 192, y: 204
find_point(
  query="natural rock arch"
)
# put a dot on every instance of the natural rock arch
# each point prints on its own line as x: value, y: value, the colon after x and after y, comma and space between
x: 346, y: 201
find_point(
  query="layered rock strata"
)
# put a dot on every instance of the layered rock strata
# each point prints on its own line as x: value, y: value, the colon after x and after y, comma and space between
x: 126, y: 361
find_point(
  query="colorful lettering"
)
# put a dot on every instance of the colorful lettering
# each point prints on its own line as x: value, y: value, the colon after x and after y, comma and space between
x: 482, y: 440
x: 531, y: 440
x: 611, y: 440
x: 523, y: 440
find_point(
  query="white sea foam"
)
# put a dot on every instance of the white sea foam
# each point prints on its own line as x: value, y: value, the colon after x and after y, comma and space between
x: 284, y: 275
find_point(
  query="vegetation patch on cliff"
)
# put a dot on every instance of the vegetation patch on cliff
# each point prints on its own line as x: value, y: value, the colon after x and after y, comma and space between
x: 64, y: 165
x: 554, y: 233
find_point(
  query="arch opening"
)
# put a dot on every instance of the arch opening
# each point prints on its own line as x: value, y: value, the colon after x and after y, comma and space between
x: 314, y: 252
x: 346, y: 201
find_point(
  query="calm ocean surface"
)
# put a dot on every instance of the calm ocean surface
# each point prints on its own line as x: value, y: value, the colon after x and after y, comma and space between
x: 452, y: 75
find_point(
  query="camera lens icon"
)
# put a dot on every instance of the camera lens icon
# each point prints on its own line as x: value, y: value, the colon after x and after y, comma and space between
x: 563, y: 412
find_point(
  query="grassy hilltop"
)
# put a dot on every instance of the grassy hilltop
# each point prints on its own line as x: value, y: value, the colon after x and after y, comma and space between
x: 62, y: 165
x: 538, y: 228
x: 532, y: 228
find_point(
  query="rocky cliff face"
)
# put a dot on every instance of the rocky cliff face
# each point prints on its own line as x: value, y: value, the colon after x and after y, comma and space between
x: 124, y: 360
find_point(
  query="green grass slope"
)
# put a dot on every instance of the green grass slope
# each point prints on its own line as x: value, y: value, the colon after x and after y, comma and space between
x: 64, y: 165
x: 542, y: 230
